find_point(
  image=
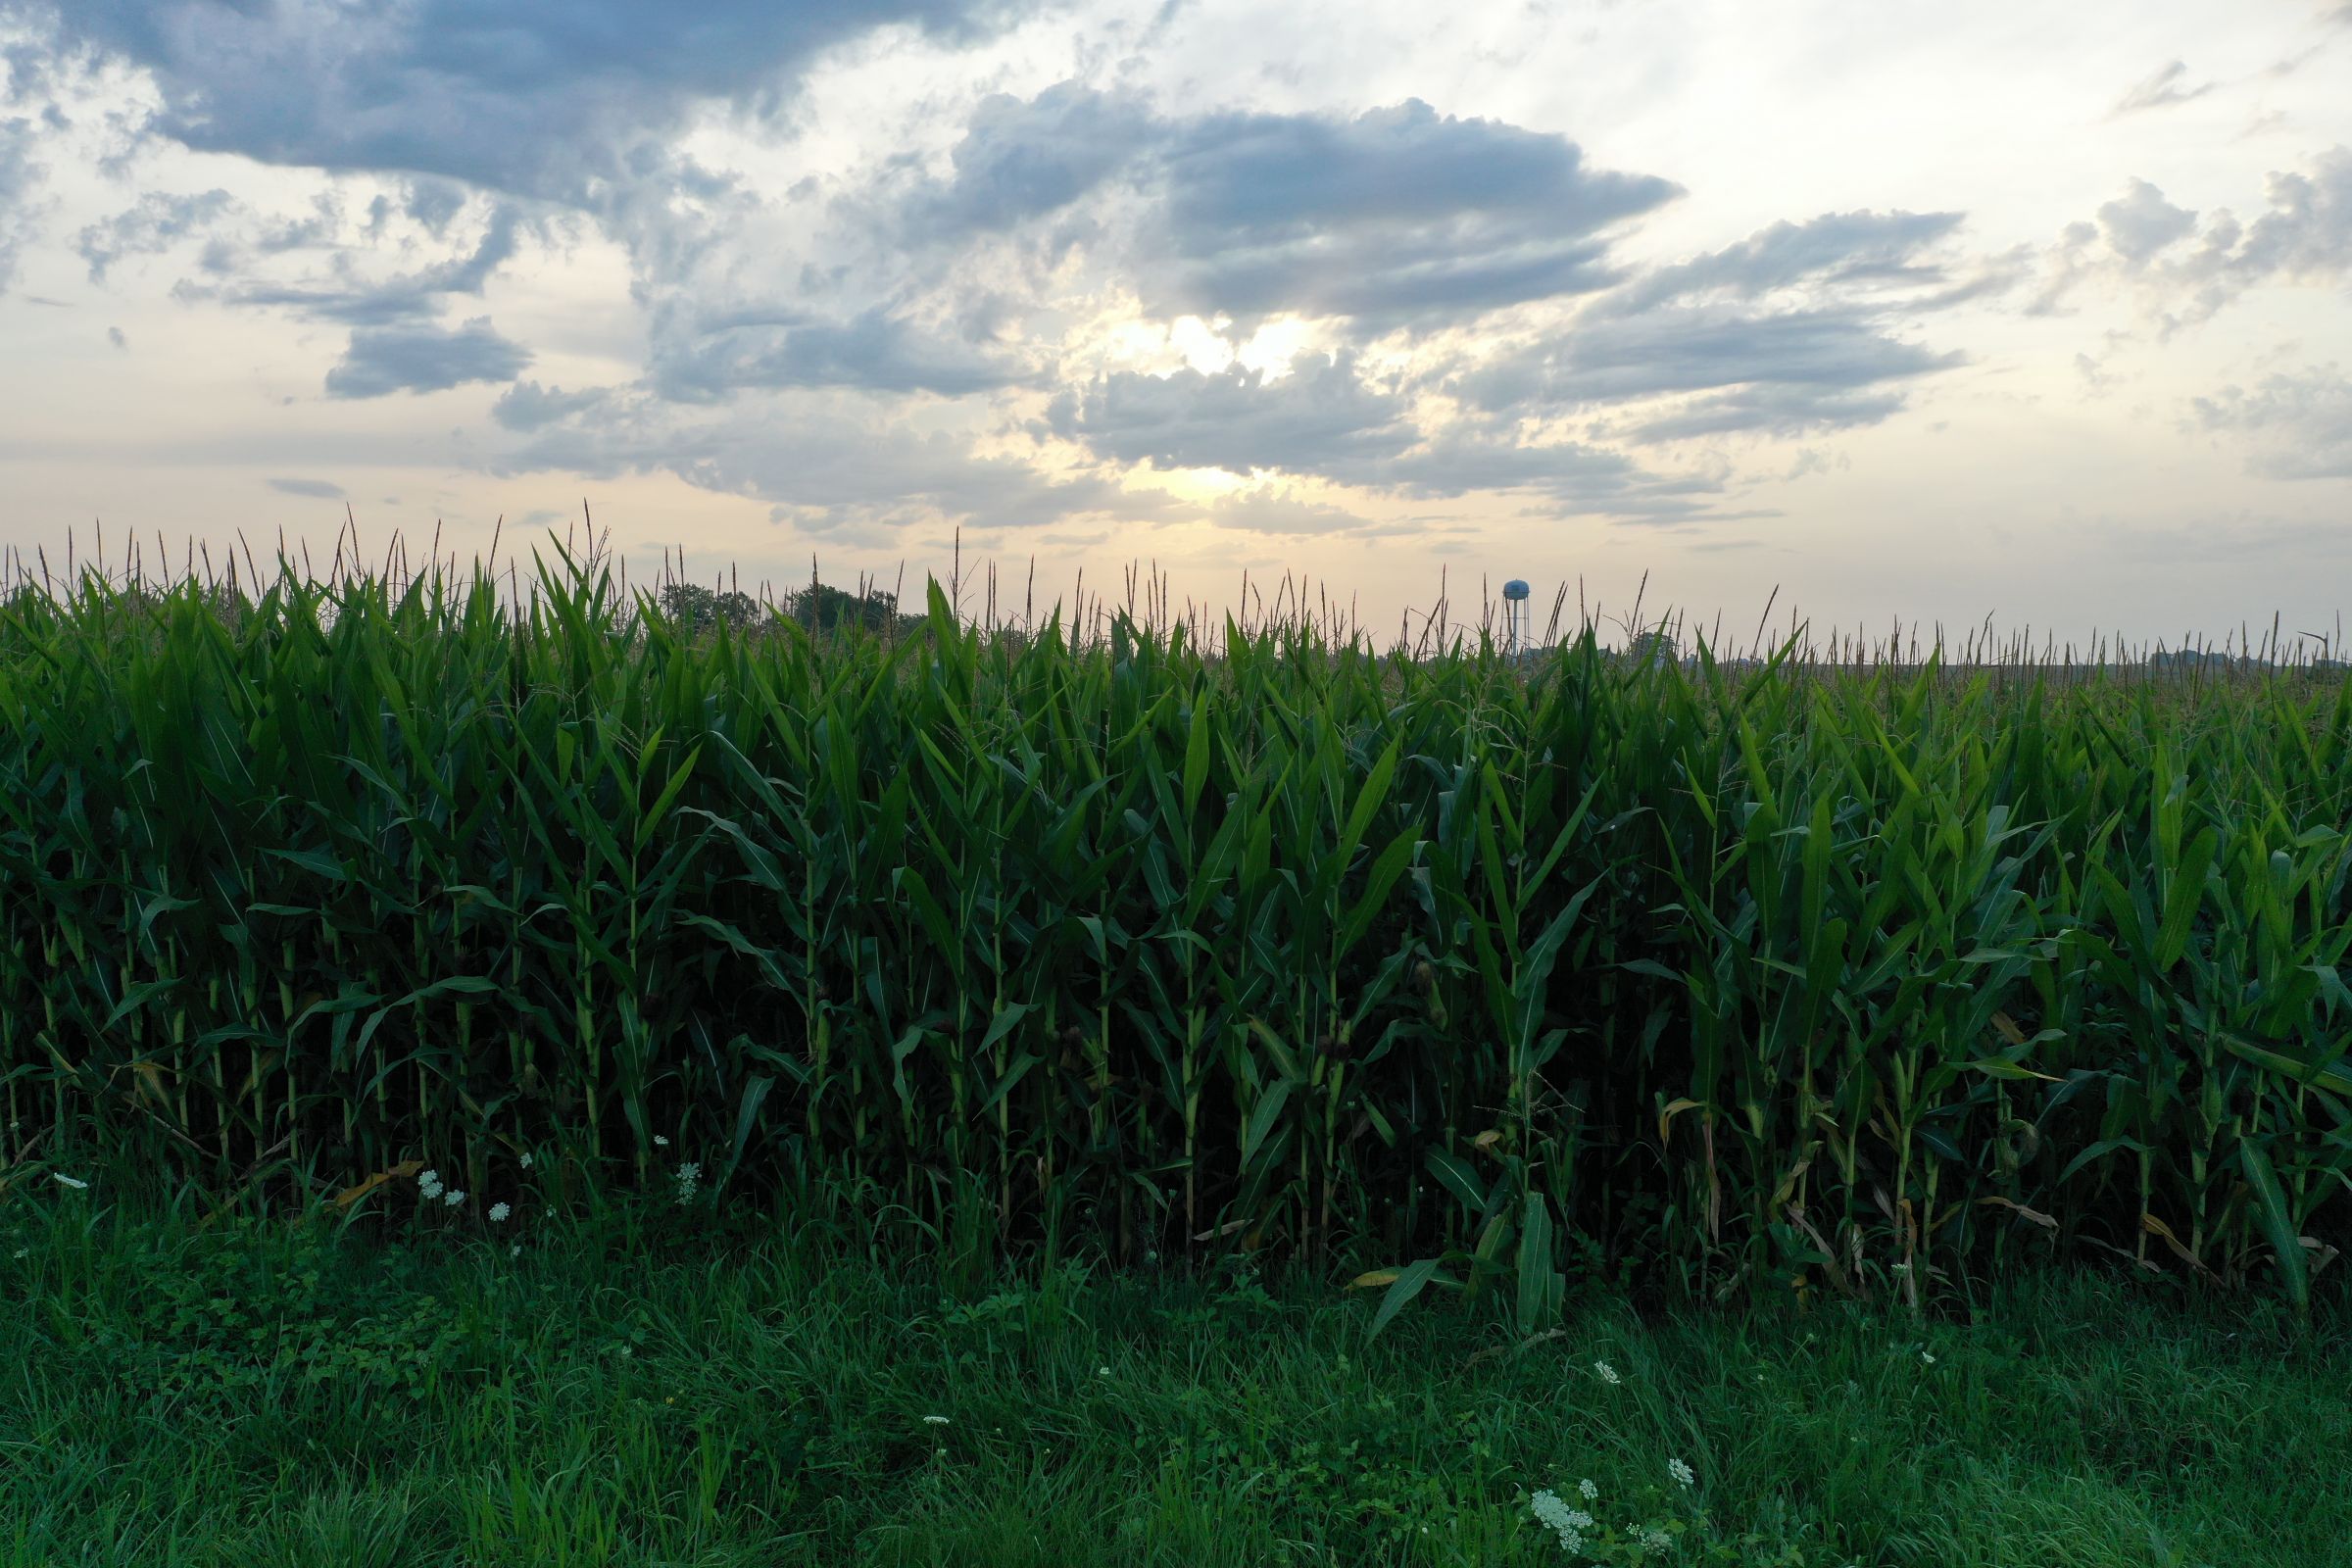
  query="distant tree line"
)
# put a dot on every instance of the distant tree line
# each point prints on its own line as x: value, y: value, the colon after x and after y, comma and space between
x: 819, y: 606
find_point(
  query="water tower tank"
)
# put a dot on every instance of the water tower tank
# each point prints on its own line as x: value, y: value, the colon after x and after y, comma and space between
x: 1515, y: 617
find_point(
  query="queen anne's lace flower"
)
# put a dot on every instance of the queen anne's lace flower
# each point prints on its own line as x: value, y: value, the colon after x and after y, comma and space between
x: 499, y: 1213
x: 429, y: 1184
x: 1680, y: 1471
x: 1569, y: 1523
x: 1588, y: 1491
x: 1654, y: 1540
x: 1608, y: 1373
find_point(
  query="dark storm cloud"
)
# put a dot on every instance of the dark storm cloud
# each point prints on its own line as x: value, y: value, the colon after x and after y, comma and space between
x: 536, y: 96
x: 420, y: 357
x: 1308, y: 421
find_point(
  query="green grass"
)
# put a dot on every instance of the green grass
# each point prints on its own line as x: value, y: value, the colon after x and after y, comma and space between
x: 654, y: 1386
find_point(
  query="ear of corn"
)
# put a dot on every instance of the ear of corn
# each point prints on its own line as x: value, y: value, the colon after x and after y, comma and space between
x: 1852, y: 976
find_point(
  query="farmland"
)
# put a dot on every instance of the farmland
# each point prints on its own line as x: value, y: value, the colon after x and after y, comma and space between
x: 1449, y: 972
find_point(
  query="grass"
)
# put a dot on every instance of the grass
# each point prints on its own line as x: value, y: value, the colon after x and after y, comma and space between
x: 652, y: 1385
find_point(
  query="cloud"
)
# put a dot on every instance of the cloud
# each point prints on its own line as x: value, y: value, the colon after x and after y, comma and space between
x: 157, y: 221
x: 824, y: 470
x: 883, y: 348
x: 1399, y: 216
x: 1789, y: 332
x: 527, y: 406
x: 1572, y: 478
x: 1396, y: 216
x: 343, y: 296
x: 1840, y: 250
x: 872, y: 350
x: 113, y: 335
x: 383, y: 359
x: 2166, y: 87
x: 2140, y: 222
x: 317, y: 489
x: 1278, y: 512
x: 1783, y: 411
x: 2302, y: 423
x: 1237, y: 419
x: 1024, y: 159
x: 542, y: 97
x: 2190, y: 266
x: 1324, y: 421
x: 1799, y: 369
x: 20, y: 176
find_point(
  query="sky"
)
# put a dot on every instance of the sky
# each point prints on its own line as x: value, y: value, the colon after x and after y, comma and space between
x: 1904, y: 312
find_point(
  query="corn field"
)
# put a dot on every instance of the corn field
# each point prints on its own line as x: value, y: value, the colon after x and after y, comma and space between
x: 1843, y: 974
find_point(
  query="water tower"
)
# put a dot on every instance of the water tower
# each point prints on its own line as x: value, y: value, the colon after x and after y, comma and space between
x: 1514, y: 618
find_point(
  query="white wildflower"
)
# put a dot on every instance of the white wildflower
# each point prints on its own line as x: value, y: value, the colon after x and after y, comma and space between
x: 456, y: 1196
x: 1101, y: 1371
x: 516, y: 1250
x: 1928, y: 1356
x: 660, y: 1141
x: 688, y: 1174
x: 1680, y: 1471
x: 499, y: 1213
x: 429, y: 1184
x: 1608, y: 1373
x: 63, y: 1180
x: 1589, y: 1491
x: 1569, y: 1523
x: 935, y: 1420
x: 1657, y: 1541
x: 527, y: 1159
